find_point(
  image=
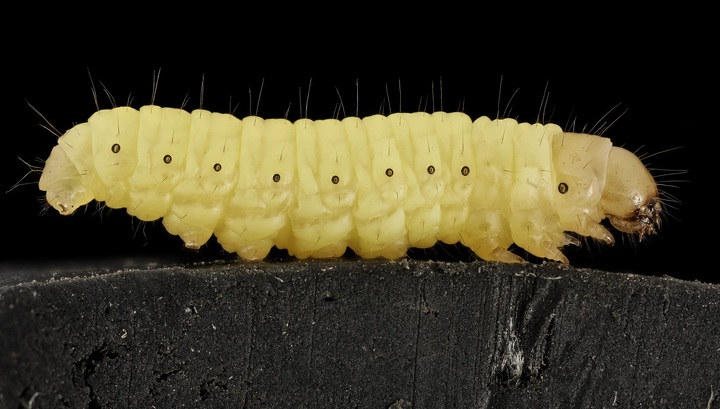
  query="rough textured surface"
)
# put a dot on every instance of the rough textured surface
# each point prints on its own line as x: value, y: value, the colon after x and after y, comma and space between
x: 358, y: 334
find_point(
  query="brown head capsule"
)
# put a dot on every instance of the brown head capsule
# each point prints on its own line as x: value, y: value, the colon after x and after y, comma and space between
x: 630, y: 199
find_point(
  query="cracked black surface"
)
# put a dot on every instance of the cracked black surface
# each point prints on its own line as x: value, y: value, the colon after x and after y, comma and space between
x: 359, y: 334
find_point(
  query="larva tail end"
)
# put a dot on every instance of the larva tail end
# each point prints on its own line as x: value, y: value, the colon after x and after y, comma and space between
x: 60, y: 179
x: 66, y: 197
x: 630, y: 200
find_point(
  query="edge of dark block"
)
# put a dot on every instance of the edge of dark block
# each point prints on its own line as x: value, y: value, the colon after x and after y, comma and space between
x: 370, y: 334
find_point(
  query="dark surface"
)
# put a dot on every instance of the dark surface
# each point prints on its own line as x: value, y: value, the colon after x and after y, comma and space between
x: 358, y: 334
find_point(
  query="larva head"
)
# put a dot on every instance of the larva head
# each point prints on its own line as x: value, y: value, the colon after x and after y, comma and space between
x: 630, y: 199
x: 63, y: 183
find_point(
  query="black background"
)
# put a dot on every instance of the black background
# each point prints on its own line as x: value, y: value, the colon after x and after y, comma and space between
x: 660, y: 76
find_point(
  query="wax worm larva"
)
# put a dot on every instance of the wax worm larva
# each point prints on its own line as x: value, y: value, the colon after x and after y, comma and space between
x: 378, y: 185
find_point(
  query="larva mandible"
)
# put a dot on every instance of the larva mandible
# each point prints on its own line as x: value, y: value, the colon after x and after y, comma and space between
x: 378, y: 184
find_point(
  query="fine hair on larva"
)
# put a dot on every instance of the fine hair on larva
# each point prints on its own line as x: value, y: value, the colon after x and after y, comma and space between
x: 378, y: 185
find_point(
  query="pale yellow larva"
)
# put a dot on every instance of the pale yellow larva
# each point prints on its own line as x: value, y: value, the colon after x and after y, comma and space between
x: 378, y: 185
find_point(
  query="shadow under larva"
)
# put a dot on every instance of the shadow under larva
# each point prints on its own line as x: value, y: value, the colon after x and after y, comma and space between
x: 378, y: 185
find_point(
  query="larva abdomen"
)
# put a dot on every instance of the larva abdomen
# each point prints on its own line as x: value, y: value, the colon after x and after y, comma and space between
x: 378, y: 185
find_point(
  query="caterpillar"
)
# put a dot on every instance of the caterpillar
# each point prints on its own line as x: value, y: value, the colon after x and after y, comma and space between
x: 378, y: 185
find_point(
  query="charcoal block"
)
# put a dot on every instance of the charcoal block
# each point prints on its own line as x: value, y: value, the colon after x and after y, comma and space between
x: 369, y: 334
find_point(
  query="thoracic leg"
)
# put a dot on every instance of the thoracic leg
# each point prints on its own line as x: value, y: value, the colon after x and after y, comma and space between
x: 539, y: 235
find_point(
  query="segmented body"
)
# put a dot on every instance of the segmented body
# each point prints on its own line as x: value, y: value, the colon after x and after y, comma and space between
x: 378, y: 185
